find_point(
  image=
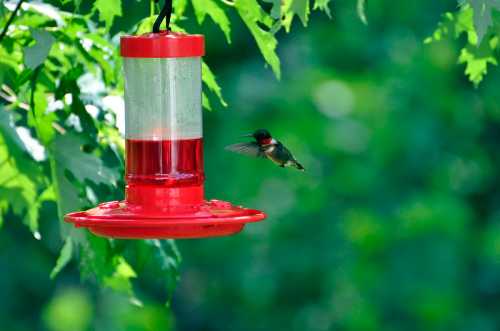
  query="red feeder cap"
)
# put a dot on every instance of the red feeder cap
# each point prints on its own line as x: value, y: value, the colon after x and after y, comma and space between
x: 164, y: 44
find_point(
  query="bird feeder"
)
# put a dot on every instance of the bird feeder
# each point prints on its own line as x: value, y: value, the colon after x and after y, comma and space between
x: 164, y: 195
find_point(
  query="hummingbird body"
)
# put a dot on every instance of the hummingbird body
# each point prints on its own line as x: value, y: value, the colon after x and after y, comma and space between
x: 267, y: 147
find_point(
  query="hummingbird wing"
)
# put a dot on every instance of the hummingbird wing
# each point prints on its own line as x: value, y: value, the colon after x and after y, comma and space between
x: 250, y: 149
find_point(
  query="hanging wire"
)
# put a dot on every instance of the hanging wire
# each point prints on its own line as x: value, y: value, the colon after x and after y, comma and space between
x: 165, y: 13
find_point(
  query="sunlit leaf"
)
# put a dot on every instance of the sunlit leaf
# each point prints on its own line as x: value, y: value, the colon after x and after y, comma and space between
x: 254, y: 17
x: 180, y: 7
x: 120, y: 280
x: 205, y: 102
x: 108, y: 10
x: 301, y: 9
x: 202, y: 8
x: 453, y: 25
x: 477, y: 56
x: 324, y: 6
x: 39, y: 118
x: 17, y: 190
x: 476, y: 60
x: 210, y: 81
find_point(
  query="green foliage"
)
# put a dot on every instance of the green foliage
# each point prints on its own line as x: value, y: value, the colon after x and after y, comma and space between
x: 108, y: 10
x: 52, y: 61
x: 254, y: 17
x: 324, y: 6
x: 210, y: 81
x: 399, y: 197
x: 476, y: 59
x: 474, y: 19
x: 299, y: 8
x: 202, y: 8
x: 482, y: 15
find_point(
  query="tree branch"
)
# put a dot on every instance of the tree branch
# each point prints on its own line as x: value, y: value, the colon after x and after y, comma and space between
x: 11, y: 19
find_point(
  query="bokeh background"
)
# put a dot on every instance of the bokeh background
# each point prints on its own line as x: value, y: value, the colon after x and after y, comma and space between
x: 395, y: 225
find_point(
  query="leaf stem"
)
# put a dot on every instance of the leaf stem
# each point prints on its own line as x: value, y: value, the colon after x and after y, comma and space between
x: 11, y: 19
x: 151, y: 7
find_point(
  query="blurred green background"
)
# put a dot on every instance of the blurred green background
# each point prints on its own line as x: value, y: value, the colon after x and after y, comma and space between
x: 395, y: 225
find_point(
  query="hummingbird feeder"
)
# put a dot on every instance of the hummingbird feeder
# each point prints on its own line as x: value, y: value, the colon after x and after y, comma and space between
x: 164, y: 194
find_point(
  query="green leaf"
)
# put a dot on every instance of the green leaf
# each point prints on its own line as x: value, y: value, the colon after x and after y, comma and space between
x: 120, y: 280
x: 477, y: 59
x: 482, y: 15
x: 69, y: 154
x: 209, y: 80
x: 275, y: 9
x: 360, y: 9
x: 108, y: 10
x: 64, y: 257
x: 205, y: 102
x: 145, y: 25
x: 32, y: 213
x: 180, y: 7
x: 19, y: 165
x: 202, y: 8
x: 453, y: 25
x: 36, y: 55
x: 17, y: 191
x: 102, y: 260
x: 40, y: 119
x: 323, y: 5
x: 70, y: 162
x: 254, y: 17
x: 14, y: 144
x: 167, y: 258
x: 301, y: 9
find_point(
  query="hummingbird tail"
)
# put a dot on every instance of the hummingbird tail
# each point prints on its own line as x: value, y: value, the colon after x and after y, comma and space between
x: 299, y: 166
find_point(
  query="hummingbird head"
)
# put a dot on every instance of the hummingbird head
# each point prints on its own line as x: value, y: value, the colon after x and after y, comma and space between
x: 262, y: 136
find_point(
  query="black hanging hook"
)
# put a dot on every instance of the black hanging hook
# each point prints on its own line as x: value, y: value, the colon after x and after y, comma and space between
x: 166, y: 12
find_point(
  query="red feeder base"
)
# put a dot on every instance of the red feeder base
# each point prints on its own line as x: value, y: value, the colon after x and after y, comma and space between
x: 122, y: 220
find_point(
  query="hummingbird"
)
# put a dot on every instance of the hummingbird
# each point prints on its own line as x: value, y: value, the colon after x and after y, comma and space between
x: 267, y: 147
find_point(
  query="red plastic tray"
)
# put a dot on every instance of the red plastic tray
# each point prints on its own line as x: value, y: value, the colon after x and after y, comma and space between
x: 122, y: 220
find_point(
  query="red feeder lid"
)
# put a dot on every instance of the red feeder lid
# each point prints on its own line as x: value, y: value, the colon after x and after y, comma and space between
x: 164, y: 44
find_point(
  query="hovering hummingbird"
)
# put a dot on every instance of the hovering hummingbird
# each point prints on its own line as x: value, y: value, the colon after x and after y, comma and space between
x: 267, y: 147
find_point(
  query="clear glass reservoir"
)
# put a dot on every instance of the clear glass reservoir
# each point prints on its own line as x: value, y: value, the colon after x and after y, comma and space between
x: 163, y: 120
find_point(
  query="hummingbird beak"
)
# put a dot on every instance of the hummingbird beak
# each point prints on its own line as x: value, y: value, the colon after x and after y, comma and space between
x: 248, y: 135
